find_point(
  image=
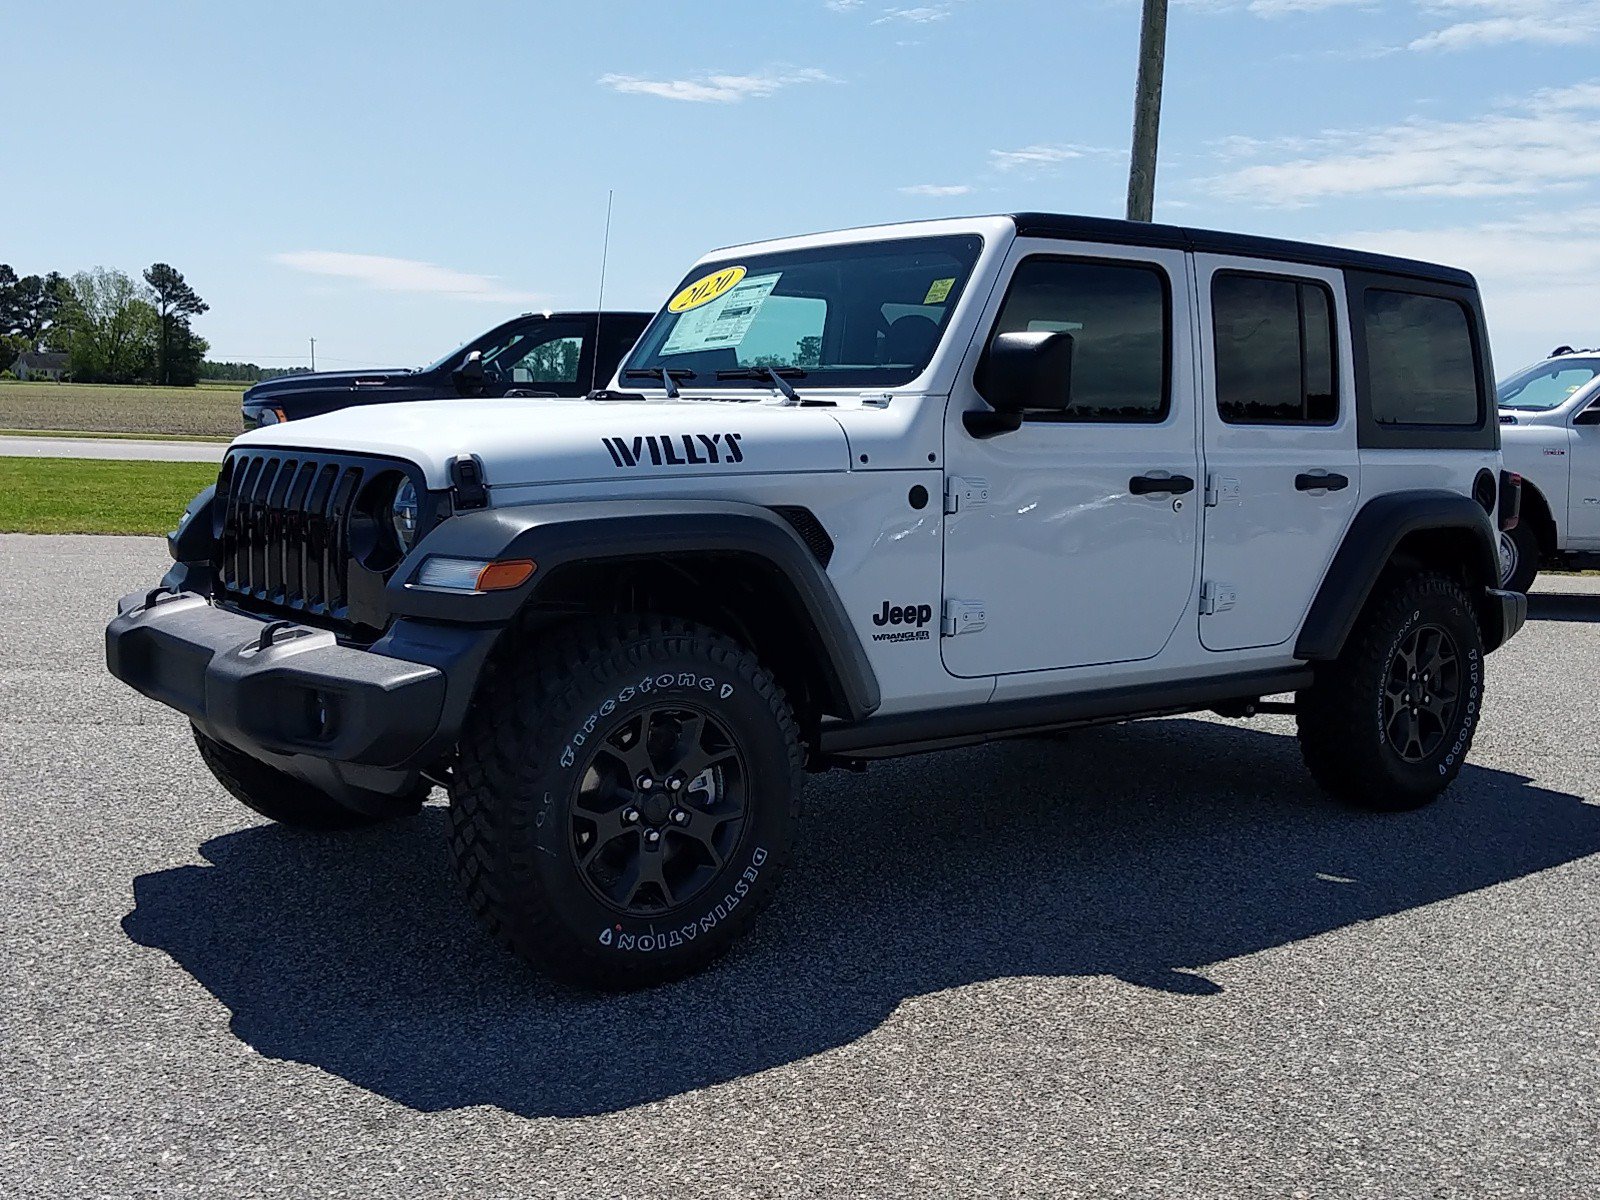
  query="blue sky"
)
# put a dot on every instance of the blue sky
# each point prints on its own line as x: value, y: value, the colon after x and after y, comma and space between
x: 390, y: 178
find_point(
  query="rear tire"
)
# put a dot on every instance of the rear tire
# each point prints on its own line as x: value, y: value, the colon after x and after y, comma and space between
x: 1519, y: 558
x: 1387, y: 725
x: 623, y: 801
x: 277, y: 796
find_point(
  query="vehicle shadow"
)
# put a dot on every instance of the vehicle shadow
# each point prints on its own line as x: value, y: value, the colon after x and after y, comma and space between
x: 1564, y: 606
x: 1142, y: 852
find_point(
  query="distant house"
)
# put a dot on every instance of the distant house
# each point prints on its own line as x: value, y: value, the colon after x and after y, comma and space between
x: 32, y: 364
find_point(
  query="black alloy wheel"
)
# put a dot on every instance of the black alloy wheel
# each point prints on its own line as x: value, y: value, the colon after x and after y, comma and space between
x: 1421, y: 690
x: 660, y: 807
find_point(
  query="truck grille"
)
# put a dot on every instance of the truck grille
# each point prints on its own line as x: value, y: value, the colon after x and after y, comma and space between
x: 286, y: 530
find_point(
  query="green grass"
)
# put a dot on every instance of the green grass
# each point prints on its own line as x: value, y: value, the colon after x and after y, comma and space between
x: 220, y: 439
x: 115, y: 408
x: 87, y: 495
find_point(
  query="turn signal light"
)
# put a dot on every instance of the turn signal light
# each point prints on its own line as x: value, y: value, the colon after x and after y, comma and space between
x: 474, y: 574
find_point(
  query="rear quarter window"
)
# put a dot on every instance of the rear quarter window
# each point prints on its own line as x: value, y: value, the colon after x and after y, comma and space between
x: 1421, y: 360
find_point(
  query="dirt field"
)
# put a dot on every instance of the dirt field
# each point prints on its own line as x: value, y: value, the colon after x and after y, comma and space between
x: 194, y: 412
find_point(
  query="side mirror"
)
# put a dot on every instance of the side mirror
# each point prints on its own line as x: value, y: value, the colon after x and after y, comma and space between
x: 1021, y: 373
x: 1589, y: 416
x: 469, y: 375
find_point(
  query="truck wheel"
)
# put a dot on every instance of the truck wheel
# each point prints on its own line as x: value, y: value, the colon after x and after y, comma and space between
x: 624, y: 796
x: 275, y: 795
x: 1519, y: 558
x: 1388, y: 724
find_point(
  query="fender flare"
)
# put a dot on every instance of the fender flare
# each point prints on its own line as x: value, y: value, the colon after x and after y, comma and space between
x: 554, y: 535
x: 1370, y: 542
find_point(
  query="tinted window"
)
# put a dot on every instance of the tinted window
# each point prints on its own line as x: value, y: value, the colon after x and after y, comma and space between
x: 1274, y: 349
x: 540, y: 352
x: 1117, y: 316
x: 868, y: 314
x: 1421, y: 367
x: 554, y: 361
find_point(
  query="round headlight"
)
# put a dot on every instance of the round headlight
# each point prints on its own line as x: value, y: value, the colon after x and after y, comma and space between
x: 403, y: 515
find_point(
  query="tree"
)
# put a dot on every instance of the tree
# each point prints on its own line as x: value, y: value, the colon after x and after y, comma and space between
x: 31, y: 306
x: 175, y: 302
x: 113, y: 328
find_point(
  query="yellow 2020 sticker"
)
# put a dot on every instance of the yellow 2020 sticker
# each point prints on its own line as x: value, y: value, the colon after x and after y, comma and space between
x: 705, y: 289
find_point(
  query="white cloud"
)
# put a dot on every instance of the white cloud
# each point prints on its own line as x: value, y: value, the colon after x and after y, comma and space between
x: 841, y: 5
x: 1038, y: 156
x: 937, y: 189
x: 919, y: 15
x: 1551, y: 140
x: 1494, y: 22
x: 715, y: 89
x: 403, y: 275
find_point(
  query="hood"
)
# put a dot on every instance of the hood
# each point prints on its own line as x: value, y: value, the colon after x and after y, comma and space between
x: 324, y: 381
x: 569, y: 441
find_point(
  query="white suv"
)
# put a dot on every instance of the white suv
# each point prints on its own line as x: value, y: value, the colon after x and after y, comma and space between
x: 852, y: 495
x: 1550, y: 428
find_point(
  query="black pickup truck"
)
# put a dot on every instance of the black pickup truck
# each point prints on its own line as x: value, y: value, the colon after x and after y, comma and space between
x: 536, y: 354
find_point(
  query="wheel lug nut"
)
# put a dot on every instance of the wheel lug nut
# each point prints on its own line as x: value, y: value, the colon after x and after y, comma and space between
x: 679, y: 816
x: 646, y: 783
x: 653, y: 836
x: 674, y: 783
x: 630, y: 815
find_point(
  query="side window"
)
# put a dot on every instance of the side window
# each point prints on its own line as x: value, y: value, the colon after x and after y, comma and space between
x: 1421, y: 365
x: 1120, y: 320
x: 1275, y: 350
x: 554, y: 360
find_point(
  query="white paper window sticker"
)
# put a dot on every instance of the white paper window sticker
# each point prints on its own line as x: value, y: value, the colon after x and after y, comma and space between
x: 723, y: 323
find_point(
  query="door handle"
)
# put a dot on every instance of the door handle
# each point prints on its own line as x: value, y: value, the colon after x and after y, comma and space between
x: 1149, y: 485
x: 1307, y: 482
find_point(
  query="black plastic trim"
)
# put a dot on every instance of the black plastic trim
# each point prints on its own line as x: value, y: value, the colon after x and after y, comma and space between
x: 1208, y: 241
x: 912, y: 733
x: 1370, y: 542
x: 560, y: 534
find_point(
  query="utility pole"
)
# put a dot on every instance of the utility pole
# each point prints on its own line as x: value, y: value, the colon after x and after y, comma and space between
x: 1147, y: 111
x: 313, y: 354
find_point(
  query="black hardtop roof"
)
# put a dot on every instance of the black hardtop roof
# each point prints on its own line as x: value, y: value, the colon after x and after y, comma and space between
x: 1209, y: 241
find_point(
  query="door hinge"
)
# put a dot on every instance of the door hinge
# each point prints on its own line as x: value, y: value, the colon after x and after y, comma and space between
x: 961, y: 494
x: 1217, y: 597
x: 962, y: 616
x: 1221, y: 489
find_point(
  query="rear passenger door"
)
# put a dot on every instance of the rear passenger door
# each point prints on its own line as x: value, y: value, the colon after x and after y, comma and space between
x: 1279, y: 435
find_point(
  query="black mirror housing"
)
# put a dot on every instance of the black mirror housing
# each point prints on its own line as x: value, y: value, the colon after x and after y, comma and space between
x: 1589, y: 416
x: 1027, y: 372
x: 469, y: 375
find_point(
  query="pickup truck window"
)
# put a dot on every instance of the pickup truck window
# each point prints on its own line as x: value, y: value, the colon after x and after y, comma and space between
x: 868, y: 314
x: 1547, y: 385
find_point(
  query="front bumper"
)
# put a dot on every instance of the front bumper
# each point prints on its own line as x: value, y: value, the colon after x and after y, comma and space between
x: 296, y: 693
x: 1506, y: 613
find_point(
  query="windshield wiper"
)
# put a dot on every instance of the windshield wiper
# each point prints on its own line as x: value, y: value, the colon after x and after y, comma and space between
x: 777, y: 376
x: 665, y: 374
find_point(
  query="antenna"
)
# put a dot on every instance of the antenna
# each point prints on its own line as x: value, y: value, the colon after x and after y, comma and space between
x: 600, y: 304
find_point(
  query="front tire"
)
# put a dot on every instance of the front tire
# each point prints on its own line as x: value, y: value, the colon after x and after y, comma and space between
x: 1388, y: 724
x: 1519, y: 558
x: 623, y: 802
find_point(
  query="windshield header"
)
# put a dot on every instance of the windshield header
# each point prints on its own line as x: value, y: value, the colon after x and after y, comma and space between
x: 861, y: 315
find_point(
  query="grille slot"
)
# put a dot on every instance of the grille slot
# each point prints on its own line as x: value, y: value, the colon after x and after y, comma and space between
x: 285, y: 540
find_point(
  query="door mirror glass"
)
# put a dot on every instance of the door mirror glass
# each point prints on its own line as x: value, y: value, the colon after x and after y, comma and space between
x: 1028, y: 372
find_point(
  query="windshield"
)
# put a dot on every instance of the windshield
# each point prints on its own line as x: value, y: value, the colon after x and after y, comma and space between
x: 1548, y: 385
x: 864, y: 315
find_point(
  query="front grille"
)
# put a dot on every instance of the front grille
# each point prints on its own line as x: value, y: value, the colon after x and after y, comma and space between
x: 285, y: 538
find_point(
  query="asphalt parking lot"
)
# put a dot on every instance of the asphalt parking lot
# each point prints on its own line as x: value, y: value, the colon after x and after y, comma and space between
x: 1146, y: 961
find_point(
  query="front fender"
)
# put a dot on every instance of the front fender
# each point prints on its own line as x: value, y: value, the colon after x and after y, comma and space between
x: 557, y: 534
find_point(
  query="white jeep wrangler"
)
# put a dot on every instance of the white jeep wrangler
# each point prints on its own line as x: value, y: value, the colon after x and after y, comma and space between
x: 852, y: 495
x: 1550, y: 426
